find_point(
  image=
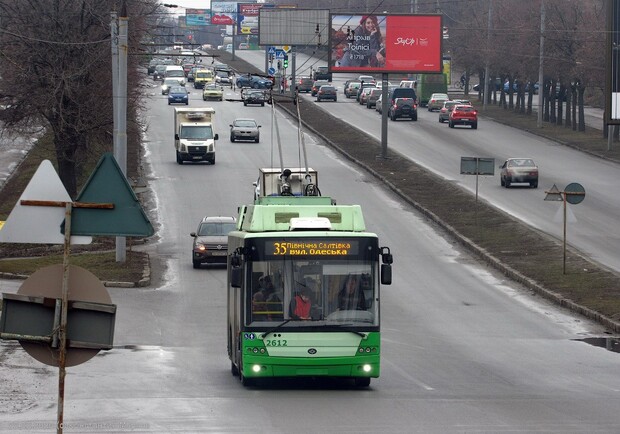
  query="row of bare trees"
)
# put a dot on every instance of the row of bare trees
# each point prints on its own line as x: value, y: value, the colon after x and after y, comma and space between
x: 55, y: 73
x: 505, y: 36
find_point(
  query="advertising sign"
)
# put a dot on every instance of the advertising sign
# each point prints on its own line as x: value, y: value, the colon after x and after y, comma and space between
x: 224, y: 13
x: 197, y: 17
x: 386, y: 43
x: 247, y: 18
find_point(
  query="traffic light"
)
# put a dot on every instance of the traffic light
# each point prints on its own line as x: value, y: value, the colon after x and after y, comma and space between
x: 285, y: 63
x: 279, y: 64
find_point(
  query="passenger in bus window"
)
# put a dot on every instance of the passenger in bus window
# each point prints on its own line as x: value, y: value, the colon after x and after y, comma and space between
x: 351, y: 297
x: 267, y: 290
x: 301, y: 305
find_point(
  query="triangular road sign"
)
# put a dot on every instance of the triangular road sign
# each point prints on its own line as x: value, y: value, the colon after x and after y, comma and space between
x: 40, y: 224
x: 554, y: 195
x: 108, y: 184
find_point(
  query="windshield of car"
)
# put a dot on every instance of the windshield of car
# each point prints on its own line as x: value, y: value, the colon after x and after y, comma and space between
x: 196, y: 132
x: 177, y: 89
x: 521, y: 162
x: 175, y: 73
x: 244, y: 123
x: 216, y: 228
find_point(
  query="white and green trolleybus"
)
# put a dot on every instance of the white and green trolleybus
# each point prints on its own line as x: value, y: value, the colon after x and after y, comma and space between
x: 309, y: 245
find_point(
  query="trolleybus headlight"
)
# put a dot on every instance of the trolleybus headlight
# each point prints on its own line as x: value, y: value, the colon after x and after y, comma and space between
x: 366, y: 368
x: 256, y: 368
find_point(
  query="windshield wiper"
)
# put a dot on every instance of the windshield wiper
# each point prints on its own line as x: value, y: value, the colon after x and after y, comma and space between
x: 351, y: 331
x: 275, y: 328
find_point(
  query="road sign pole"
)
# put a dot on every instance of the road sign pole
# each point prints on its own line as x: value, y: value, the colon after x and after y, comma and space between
x: 62, y: 331
x: 564, y: 258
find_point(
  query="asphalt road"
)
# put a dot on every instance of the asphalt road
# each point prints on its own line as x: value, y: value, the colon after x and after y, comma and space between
x: 463, y: 349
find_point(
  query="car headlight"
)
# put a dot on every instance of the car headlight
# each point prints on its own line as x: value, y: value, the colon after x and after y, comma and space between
x: 200, y: 247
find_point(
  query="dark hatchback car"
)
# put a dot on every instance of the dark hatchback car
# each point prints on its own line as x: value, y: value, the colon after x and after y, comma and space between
x: 317, y: 85
x: 211, y: 240
x: 253, y: 97
x: 403, y: 108
x: 326, y: 92
x: 304, y: 84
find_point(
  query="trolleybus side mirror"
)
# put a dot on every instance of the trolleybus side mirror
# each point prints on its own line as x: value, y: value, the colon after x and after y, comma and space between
x: 386, y: 274
x: 235, y: 277
x: 386, y: 266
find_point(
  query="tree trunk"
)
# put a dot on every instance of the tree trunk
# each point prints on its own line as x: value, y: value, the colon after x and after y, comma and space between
x: 560, y: 106
x: 574, y: 105
x: 545, y: 96
x: 569, y: 98
x: 582, y: 116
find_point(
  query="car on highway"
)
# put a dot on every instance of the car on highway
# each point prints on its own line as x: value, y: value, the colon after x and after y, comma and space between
x: 326, y: 92
x: 436, y: 101
x: 463, y: 114
x: 444, y: 113
x: 212, y: 91
x: 403, y: 108
x: 304, y: 84
x: 322, y: 73
x: 379, y: 104
x: 317, y: 85
x: 518, y: 170
x: 192, y: 74
x: 159, y: 72
x: 253, y: 97
x: 351, y: 88
x: 367, y: 79
x: 373, y: 96
x: 223, y: 78
x: 364, y: 95
x: 245, y: 129
x: 361, y: 89
x: 178, y: 95
x: 169, y: 82
x: 210, y: 243
x: 253, y: 81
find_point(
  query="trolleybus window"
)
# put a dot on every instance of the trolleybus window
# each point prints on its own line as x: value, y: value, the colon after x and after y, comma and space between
x: 339, y: 275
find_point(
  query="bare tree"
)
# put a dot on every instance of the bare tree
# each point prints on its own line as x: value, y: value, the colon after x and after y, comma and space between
x: 55, y: 65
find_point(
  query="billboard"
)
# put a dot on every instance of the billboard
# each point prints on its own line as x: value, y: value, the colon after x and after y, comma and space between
x: 247, y: 18
x: 287, y: 26
x: 224, y: 13
x: 386, y: 43
x: 197, y: 17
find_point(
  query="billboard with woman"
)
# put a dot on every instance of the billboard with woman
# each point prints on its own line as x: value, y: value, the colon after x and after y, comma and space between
x: 385, y: 43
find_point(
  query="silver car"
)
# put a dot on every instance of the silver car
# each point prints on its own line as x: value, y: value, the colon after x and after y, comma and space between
x: 516, y: 170
x: 244, y: 129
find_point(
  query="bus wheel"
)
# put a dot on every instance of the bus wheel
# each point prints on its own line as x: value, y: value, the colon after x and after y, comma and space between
x: 233, y: 369
x: 362, y: 381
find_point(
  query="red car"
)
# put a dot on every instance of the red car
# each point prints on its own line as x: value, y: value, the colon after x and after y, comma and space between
x: 463, y: 115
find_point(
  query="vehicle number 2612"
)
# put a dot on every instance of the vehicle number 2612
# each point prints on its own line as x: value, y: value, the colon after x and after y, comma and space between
x: 276, y: 343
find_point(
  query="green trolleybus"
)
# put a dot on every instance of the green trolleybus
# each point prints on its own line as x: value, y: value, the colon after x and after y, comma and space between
x: 286, y: 247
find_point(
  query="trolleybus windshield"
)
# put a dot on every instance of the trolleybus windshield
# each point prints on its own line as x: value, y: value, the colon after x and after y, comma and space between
x: 338, y: 278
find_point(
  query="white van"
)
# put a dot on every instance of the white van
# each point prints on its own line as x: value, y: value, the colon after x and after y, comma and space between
x: 408, y: 83
x: 175, y: 71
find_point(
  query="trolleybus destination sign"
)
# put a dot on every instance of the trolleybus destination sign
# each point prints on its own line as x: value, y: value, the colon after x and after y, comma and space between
x: 311, y: 247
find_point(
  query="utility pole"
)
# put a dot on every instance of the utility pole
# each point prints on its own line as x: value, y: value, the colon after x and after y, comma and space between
x: 541, y: 75
x: 120, y: 48
x: 486, y: 67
